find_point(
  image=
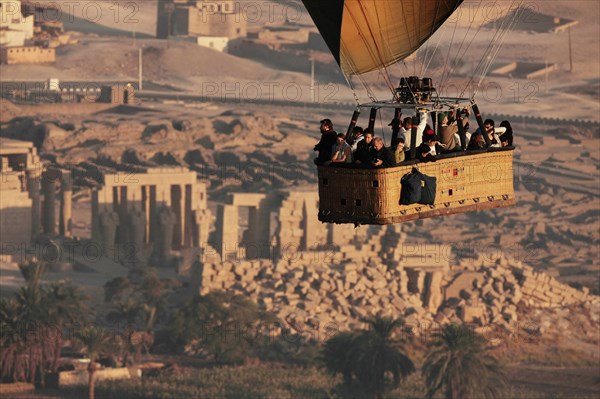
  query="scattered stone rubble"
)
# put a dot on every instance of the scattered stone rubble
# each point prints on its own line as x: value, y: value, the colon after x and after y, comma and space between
x: 376, y: 276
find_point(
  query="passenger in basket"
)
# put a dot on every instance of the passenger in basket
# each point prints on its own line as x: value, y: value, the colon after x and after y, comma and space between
x: 364, y: 149
x: 341, y: 151
x: 382, y: 156
x: 506, y: 138
x: 450, y: 138
x: 430, y: 148
x: 357, y: 137
x: 477, y: 142
x: 399, y: 153
x: 492, y: 132
x: 328, y: 139
x: 406, y: 129
x: 396, y: 133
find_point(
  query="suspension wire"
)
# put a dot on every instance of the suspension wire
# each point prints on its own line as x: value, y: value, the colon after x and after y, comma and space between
x: 441, y: 35
x: 493, y: 57
x: 387, y: 76
x: 485, y: 55
x: 353, y: 71
x: 391, y: 84
x: 458, y: 55
x: 381, y: 125
x: 442, y: 81
x: 349, y: 81
x: 379, y: 58
x: 373, y: 56
x: 486, y: 61
x: 408, y: 36
x: 437, y: 9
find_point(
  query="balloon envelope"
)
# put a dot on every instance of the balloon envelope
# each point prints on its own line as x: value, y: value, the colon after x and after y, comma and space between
x: 365, y: 35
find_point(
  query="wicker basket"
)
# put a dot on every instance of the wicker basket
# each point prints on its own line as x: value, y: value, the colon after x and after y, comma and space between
x: 465, y: 182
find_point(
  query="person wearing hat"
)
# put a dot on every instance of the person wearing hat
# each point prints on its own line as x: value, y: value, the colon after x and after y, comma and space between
x: 328, y: 140
x: 428, y: 150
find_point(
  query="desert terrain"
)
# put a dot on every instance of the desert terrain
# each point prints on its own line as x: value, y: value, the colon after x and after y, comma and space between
x: 210, y: 123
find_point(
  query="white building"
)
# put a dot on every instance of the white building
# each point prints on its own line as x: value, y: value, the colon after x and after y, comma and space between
x: 15, y: 29
x: 214, y: 42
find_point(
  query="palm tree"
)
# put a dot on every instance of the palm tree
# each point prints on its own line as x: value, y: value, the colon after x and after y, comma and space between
x: 380, y: 354
x: 66, y: 305
x: 338, y: 355
x: 27, y: 340
x: 13, y: 341
x: 365, y: 358
x: 32, y: 323
x: 459, y: 365
x: 94, y: 340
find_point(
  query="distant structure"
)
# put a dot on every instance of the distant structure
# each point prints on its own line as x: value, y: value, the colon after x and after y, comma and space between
x: 117, y: 94
x: 527, y: 19
x: 149, y: 212
x: 22, y: 41
x: 208, y: 23
x: 28, y: 196
x: 15, y: 29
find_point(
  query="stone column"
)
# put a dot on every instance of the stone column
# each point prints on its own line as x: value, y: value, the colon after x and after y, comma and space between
x: 177, y: 207
x: 251, y: 239
x: 433, y: 292
x: 188, y: 217
x: 137, y: 233
x: 66, y: 204
x: 108, y: 222
x: 416, y: 280
x: 49, y: 179
x: 165, y: 222
x: 227, y: 230
x: 403, y: 283
x: 310, y: 224
x: 202, y: 221
x: 33, y: 186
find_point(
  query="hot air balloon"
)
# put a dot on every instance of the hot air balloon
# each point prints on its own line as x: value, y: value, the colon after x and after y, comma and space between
x: 372, y: 35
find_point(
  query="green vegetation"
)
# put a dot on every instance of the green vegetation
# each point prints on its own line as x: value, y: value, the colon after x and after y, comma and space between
x: 269, y: 381
x: 138, y: 301
x: 459, y: 366
x: 364, y: 358
x: 32, y: 324
x: 223, y: 328
x: 94, y: 340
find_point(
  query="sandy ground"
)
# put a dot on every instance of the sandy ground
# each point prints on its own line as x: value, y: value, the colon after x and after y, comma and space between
x: 563, y: 94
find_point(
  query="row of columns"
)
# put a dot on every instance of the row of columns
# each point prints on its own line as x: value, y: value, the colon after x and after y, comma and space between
x: 128, y: 220
x: 43, y: 213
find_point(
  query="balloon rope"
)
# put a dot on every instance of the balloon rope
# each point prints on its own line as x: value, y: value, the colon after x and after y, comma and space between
x: 486, y: 61
x: 458, y: 55
x: 437, y: 9
x: 349, y: 81
x: 386, y: 75
x: 514, y: 19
